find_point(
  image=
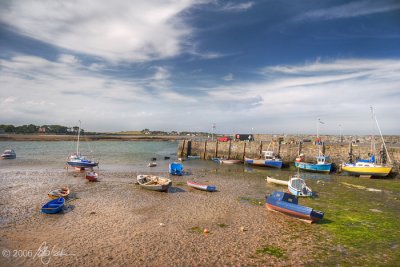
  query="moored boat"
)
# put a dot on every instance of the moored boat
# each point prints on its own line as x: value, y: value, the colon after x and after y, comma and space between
x: 366, y: 169
x: 230, y: 161
x: 53, y: 206
x: 175, y: 168
x: 322, y: 165
x: 288, y: 204
x: 92, y: 176
x: 204, y: 187
x: 269, y: 160
x: 59, y: 192
x: 153, y: 182
x: 152, y: 164
x: 277, y: 181
x: 298, y: 187
x: 9, y: 154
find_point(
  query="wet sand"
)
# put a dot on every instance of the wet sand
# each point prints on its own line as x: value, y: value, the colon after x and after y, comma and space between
x: 114, y: 222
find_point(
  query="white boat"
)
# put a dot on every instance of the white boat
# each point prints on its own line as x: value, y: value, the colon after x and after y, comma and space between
x: 298, y: 187
x: 276, y: 181
x: 152, y: 164
x: 77, y: 160
x: 8, y: 154
x: 230, y: 161
x: 153, y: 182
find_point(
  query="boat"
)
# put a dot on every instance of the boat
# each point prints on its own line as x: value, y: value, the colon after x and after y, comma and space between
x: 175, y: 168
x: 270, y: 160
x: 53, y: 206
x: 193, y: 157
x: 92, y: 176
x: 204, y: 187
x: 153, y: 182
x: 59, y: 192
x: 298, y: 187
x: 369, y: 167
x: 77, y: 160
x: 152, y: 164
x: 288, y: 204
x: 322, y: 164
x: 8, y: 154
x: 230, y: 161
x: 276, y: 181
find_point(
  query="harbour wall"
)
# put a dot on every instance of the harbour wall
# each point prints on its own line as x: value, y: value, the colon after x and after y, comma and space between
x: 338, y: 152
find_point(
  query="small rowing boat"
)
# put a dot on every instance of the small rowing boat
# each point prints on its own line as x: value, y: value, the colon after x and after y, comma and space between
x: 92, y: 176
x: 204, y: 187
x: 230, y: 161
x: 59, y: 192
x: 53, y: 206
x: 153, y: 182
x: 298, y: 187
x: 152, y: 164
x: 276, y: 181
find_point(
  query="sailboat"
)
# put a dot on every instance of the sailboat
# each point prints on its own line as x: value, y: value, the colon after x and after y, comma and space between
x: 77, y: 160
x: 323, y: 163
x: 369, y: 167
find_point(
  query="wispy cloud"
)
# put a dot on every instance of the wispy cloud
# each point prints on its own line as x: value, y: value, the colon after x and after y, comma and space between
x: 237, y: 7
x: 352, y: 9
x: 131, y: 31
x: 228, y: 77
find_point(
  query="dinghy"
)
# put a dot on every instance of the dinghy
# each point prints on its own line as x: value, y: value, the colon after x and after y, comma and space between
x: 92, y: 176
x: 59, y: 192
x: 298, y: 187
x: 230, y: 161
x: 276, y: 181
x: 152, y: 164
x: 153, y: 182
x: 204, y: 187
x: 53, y: 206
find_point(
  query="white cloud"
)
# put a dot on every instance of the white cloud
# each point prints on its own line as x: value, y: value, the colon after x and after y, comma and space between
x: 228, y: 77
x: 234, y: 7
x: 117, y: 30
x: 348, y: 10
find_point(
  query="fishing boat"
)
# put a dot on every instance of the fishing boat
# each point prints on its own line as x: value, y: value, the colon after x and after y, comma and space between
x: 8, y: 154
x: 59, y: 192
x: 369, y: 167
x: 276, y: 181
x: 77, y: 160
x: 322, y: 164
x: 270, y: 160
x: 298, y: 187
x: 92, y: 176
x: 175, y: 168
x: 53, y: 206
x: 288, y: 204
x: 204, y: 187
x: 153, y: 182
x: 230, y: 161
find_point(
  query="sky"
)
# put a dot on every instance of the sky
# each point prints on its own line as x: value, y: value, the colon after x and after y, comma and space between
x: 266, y: 66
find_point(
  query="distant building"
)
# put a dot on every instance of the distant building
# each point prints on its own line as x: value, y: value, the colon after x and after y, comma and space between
x: 42, y: 129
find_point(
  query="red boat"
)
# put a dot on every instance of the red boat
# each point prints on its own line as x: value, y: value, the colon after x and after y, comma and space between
x: 92, y: 176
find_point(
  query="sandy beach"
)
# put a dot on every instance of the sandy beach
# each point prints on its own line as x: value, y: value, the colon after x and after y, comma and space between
x: 114, y: 222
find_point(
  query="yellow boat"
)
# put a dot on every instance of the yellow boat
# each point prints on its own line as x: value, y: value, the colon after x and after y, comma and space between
x: 367, y: 169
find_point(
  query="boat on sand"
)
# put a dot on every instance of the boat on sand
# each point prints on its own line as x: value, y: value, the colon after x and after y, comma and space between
x: 153, y: 182
x: 53, y: 206
x: 59, y: 192
x: 204, y: 187
x: 276, y: 181
x: 92, y: 176
x: 298, y: 187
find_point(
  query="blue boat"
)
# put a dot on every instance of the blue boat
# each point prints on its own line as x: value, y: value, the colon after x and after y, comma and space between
x: 288, y: 204
x: 204, y: 187
x: 53, y: 206
x: 322, y: 164
x: 269, y: 160
x: 176, y: 168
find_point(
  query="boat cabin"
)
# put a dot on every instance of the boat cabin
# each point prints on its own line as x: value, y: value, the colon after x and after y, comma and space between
x: 286, y: 197
x: 323, y: 160
x: 269, y: 155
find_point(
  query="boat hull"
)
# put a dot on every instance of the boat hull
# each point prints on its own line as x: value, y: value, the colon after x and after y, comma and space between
x: 91, y: 176
x: 59, y: 192
x: 264, y: 162
x: 312, y: 167
x: 204, y: 187
x: 288, y: 204
x: 277, y: 181
x: 53, y: 206
x: 370, y: 171
x: 154, y: 183
x: 230, y: 161
x: 80, y: 164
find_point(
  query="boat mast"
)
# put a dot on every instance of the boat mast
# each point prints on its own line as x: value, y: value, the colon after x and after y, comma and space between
x: 77, y: 144
x: 380, y: 132
x: 372, y: 133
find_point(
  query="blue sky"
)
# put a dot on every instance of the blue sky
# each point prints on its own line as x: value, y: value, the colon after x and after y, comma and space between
x: 247, y: 66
